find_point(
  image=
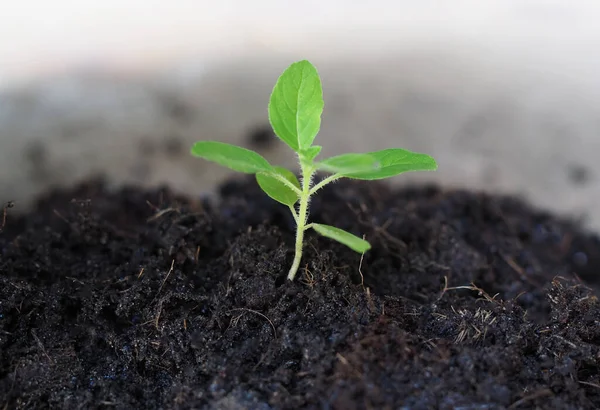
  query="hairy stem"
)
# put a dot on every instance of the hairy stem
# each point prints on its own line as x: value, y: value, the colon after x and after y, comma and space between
x: 324, y: 182
x: 293, y: 211
x: 307, y: 174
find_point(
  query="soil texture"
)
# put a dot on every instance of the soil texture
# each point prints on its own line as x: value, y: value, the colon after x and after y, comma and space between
x: 133, y: 299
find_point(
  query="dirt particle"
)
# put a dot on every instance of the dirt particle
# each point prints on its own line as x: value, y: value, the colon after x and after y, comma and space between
x: 3, y: 217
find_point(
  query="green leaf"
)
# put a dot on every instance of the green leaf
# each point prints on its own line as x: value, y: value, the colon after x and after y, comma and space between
x: 276, y: 189
x: 346, y: 238
x: 296, y: 105
x: 349, y: 163
x: 395, y: 161
x: 231, y: 156
x: 311, y: 152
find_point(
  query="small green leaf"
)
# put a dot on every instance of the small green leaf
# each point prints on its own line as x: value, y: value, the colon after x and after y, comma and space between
x: 296, y: 105
x: 395, y: 161
x: 276, y: 189
x: 346, y: 238
x: 231, y: 156
x: 349, y: 163
x: 311, y: 152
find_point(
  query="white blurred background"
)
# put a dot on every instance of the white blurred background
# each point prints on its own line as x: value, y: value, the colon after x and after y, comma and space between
x: 504, y: 93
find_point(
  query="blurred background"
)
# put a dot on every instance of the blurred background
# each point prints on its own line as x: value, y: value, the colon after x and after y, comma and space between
x: 505, y: 94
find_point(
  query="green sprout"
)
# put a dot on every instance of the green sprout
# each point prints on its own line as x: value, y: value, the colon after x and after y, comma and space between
x: 295, y: 109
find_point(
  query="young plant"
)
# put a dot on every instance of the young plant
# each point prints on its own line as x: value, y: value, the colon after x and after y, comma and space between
x: 295, y: 111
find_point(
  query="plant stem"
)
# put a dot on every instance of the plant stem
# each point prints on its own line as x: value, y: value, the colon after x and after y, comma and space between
x: 307, y: 174
x: 324, y: 182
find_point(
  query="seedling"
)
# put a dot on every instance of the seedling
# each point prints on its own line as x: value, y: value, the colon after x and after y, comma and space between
x: 295, y: 110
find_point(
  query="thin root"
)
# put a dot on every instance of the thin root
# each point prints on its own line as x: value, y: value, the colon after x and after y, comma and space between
x: 261, y: 315
x: 532, y: 396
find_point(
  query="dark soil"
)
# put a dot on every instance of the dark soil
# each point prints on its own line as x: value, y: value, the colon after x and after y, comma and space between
x: 145, y: 300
